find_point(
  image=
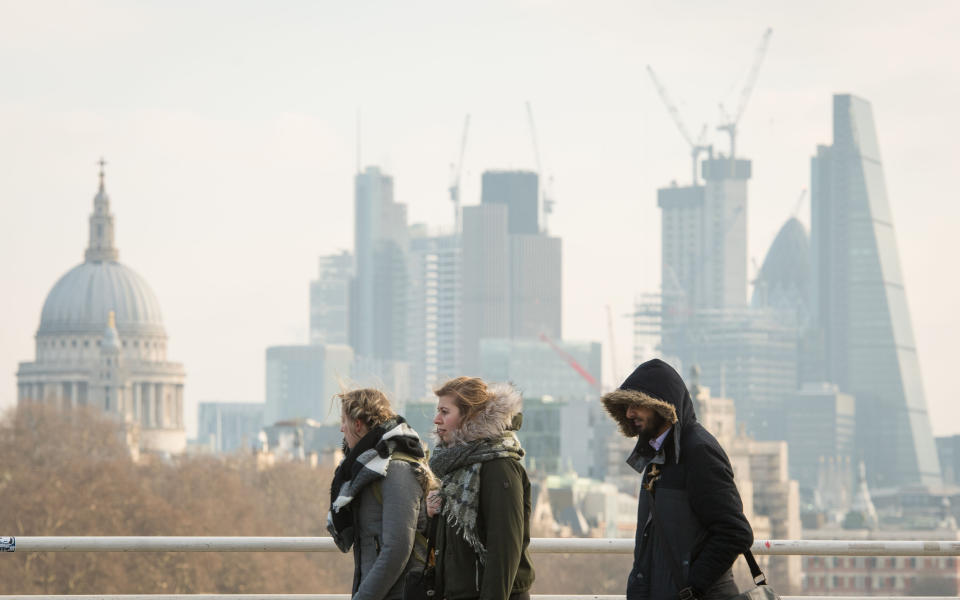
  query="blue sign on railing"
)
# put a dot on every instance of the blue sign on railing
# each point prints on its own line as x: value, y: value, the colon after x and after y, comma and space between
x: 8, y: 544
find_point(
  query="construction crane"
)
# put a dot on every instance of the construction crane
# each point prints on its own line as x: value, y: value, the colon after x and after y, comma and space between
x: 614, y: 370
x: 571, y: 361
x: 696, y: 147
x: 730, y: 121
x: 455, y: 171
x: 546, y: 196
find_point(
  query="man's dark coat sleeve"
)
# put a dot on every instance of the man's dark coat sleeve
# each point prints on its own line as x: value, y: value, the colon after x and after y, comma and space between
x: 716, y: 503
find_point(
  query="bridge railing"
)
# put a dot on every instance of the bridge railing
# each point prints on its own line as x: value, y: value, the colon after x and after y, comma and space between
x: 537, y: 545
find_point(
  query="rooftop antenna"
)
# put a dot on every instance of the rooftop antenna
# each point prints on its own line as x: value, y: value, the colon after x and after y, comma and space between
x: 456, y: 170
x: 545, y: 200
x: 358, y: 141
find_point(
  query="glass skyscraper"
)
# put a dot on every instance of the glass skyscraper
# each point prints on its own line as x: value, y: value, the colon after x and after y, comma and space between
x: 861, y: 303
x: 378, y: 309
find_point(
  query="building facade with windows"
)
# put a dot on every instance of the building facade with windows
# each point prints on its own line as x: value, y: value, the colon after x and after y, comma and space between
x: 881, y: 575
x: 433, y: 320
x: 330, y: 300
x: 229, y: 426
x: 302, y: 381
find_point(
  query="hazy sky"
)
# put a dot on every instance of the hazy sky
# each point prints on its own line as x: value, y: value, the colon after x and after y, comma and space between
x: 229, y: 128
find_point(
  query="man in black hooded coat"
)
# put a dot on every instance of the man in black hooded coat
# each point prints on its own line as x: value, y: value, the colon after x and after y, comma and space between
x: 697, y: 502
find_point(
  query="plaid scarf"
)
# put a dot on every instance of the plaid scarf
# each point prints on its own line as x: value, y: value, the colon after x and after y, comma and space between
x: 366, y: 462
x: 458, y: 467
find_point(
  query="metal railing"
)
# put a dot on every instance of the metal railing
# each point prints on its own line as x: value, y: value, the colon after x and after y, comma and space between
x: 537, y: 545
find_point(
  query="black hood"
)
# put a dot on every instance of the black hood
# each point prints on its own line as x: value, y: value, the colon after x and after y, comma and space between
x: 659, y: 380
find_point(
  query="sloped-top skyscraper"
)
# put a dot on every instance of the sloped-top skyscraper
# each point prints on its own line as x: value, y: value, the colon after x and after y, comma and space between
x: 861, y: 303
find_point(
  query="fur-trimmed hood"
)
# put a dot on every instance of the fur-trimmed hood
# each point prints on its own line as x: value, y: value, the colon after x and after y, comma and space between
x: 657, y: 385
x: 500, y: 414
x: 618, y: 401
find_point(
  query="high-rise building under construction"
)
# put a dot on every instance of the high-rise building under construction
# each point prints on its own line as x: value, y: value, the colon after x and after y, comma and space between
x: 749, y: 353
x: 704, y: 239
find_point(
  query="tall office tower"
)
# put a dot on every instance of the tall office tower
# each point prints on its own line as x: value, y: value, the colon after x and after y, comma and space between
x: 378, y: 300
x: 519, y: 191
x: 485, y: 279
x: 861, y: 303
x: 330, y: 300
x: 303, y: 380
x: 511, y: 272
x: 433, y: 323
x: 535, y: 286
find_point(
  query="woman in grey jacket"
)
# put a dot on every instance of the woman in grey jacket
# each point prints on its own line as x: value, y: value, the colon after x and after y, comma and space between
x: 377, y: 496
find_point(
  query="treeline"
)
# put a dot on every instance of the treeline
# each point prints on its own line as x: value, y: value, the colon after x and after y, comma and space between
x: 70, y: 474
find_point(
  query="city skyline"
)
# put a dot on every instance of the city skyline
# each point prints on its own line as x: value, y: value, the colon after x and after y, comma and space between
x: 224, y: 202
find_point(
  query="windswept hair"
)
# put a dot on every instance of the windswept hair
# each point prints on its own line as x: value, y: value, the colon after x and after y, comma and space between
x: 367, y: 404
x: 468, y: 393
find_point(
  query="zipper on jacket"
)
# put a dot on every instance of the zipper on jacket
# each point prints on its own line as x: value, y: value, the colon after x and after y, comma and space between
x: 476, y: 571
x: 376, y: 542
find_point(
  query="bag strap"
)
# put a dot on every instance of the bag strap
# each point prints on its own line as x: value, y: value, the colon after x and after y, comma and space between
x: 431, y: 536
x: 758, y: 577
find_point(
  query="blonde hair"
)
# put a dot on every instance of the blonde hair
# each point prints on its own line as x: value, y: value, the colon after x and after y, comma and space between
x: 368, y: 405
x: 469, y: 394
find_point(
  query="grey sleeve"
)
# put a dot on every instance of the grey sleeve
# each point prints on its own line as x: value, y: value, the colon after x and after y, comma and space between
x: 401, y: 507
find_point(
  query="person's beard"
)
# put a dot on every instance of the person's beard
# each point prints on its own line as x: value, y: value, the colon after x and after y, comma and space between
x: 652, y: 428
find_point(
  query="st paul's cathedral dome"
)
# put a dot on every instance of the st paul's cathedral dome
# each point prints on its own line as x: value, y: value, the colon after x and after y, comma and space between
x: 101, y: 342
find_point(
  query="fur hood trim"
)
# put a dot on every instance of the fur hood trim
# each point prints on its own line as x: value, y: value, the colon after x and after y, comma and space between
x: 500, y: 414
x: 421, y: 470
x: 618, y: 401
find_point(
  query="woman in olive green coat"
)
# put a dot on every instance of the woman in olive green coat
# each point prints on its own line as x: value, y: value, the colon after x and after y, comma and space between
x: 484, y: 498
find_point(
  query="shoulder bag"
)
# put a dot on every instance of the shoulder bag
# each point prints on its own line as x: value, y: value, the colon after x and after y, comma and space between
x: 422, y: 584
